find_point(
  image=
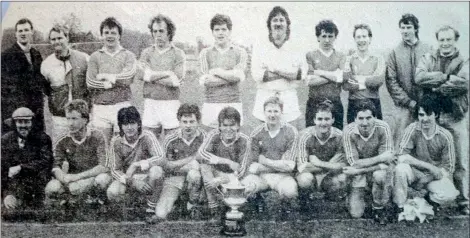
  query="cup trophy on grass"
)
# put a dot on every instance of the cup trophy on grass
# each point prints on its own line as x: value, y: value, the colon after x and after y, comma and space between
x: 234, y: 223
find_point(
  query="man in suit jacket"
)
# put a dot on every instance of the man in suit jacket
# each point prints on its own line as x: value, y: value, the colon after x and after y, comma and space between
x: 22, y: 82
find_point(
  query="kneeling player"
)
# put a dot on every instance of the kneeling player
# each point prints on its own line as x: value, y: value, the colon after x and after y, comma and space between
x: 135, y: 156
x: 80, y: 158
x: 273, y: 153
x: 426, y: 159
x: 321, y: 156
x: 224, y: 156
x: 368, y: 146
x: 181, y: 166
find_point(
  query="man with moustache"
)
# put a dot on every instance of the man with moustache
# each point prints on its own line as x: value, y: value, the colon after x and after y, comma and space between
x: 223, y: 157
x: 363, y: 73
x: 277, y: 67
x: 400, y: 73
x: 22, y: 83
x: 445, y: 74
x: 325, y: 75
x: 320, y: 159
x: 110, y: 72
x: 26, y: 162
x: 164, y: 71
x: 368, y: 147
x: 273, y: 145
x: 223, y: 68
x: 65, y: 71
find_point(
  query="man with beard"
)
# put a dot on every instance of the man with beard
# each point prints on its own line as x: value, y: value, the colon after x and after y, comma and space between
x: 164, y: 71
x: 65, y: 70
x: 26, y: 162
x: 223, y: 157
x: 80, y: 159
x: 426, y: 158
x: 223, y: 68
x: 400, y: 73
x: 136, y: 158
x: 273, y: 145
x: 180, y: 164
x: 278, y: 67
x: 445, y: 74
x: 321, y: 157
x: 364, y: 73
x: 22, y: 82
x: 110, y: 73
x: 325, y: 75
x: 369, y: 148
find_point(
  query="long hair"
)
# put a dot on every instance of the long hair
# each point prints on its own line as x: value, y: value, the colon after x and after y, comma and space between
x: 129, y: 115
x: 276, y: 11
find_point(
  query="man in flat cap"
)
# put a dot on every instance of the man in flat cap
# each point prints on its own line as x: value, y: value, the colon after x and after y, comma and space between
x: 26, y: 162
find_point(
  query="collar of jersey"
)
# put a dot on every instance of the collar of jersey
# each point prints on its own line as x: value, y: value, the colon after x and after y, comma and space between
x: 265, y: 126
x: 180, y: 135
x: 363, y: 60
x: 233, y: 142
x: 124, y: 140
x: 356, y: 130
x: 322, y: 142
x: 418, y: 127
x: 222, y: 51
x: 79, y: 142
x: 326, y: 54
x: 119, y: 49
x: 160, y: 52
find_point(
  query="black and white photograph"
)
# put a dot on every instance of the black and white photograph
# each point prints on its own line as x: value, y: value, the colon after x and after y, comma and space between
x: 235, y: 119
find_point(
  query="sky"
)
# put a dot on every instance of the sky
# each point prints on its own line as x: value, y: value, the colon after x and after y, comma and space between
x: 249, y: 18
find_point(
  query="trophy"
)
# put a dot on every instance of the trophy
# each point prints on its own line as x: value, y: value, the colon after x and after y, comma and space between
x: 234, y: 224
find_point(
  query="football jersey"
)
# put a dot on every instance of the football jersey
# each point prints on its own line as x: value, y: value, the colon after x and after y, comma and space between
x: 309, y: 144
x: 281, y: 146
x: 176, y: 147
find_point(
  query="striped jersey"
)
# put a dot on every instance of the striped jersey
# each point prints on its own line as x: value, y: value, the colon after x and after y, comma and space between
x: 171, y: 59
x: 237, y: 151
x: 358, y: 147
x: 319, y: 61
x: 437, y: 149
x: 81, y: 155
x: 278, y: 147
x: 309, y: 144
x: 176, y: 147
x: 122, y: 154
x: 122, y: 64
x: 232, y: 58
x: 373, y: 67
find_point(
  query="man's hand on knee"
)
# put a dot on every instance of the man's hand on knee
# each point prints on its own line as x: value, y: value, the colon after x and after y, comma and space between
x: 142, y: 186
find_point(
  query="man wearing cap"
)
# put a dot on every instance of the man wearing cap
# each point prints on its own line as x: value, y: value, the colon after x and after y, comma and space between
x: 26, y: 162
x: 22, y: 82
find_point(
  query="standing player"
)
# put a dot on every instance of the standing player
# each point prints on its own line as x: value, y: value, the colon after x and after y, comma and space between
x: 364, y: 73
x: 368, y: 147
x: 223, y: 68
x: 223, y: 156
x: 180, y: 164
x: 426, y: 158
x: 400, y: 73
x: 325, y: 75
x: 26, y: 162
x: 278, y: 67
x: 164, y: 70
x: 65, y: 70
x: 22, y: 82
x: 80, y: 157
x: 273, y: 146
x: 135, y: 159
x: 109, y: 75
x: 445, y: 74
x: 321, y: 156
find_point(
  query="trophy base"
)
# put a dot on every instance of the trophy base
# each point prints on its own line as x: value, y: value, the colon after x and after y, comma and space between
x: 233, y: 228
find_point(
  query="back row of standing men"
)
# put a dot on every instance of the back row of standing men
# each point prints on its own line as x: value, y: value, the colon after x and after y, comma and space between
x: 412, y: 71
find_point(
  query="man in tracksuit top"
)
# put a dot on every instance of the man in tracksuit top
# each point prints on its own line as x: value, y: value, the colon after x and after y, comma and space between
x: 110, y: 73
x: 164, y: 70
x: 399, y: 74
x: 65, y: 70
x: 444, y: 74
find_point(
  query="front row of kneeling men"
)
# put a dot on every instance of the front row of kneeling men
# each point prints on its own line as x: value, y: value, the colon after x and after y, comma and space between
x: 274, y: 157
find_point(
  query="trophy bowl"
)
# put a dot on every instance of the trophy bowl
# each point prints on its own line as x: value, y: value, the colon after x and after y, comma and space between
x: 234, y: 197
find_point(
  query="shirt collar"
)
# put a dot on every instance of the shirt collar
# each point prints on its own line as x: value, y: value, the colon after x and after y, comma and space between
x: 230, y: 46
x: 79, y: 142
x: 322, y: 142
x: 26, y: 48
x: 326, y: 54
x: 180, y: 135
x: 155, y: 47
x: 119, y: 49
x: 356, y: 55
x: 418, y: 128
x: 125, y: 142
x: 415, y: 42
x: 356, y: 130
x: 231, y: 143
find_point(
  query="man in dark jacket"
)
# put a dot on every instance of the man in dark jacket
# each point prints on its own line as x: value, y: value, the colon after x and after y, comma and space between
x: 26, y: 162
x: 22, y: 83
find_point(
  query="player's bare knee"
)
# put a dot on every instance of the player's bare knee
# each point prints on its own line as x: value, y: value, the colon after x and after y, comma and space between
x: 401, y: 169
x: 103, y: 180
x: 288, y: 190
x: 193, y: 177
x: 305, y: 180
x: 54, y: 187
x: 115, y: 192
x: 379, y: 176
x: 254, y: 168
x: 155, y: 173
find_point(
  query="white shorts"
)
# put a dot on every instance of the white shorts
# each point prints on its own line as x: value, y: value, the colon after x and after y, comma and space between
x: 210, y: 112
x: 105, y: 116
x: 291, y: 109
x: 160, y: 113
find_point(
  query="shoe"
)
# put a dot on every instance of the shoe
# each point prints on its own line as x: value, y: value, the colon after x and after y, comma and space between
x: 153, y: 219
x: 464, y: 210
x: 195, y: 213
x: 394, y: 214
x: 380, y: 216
